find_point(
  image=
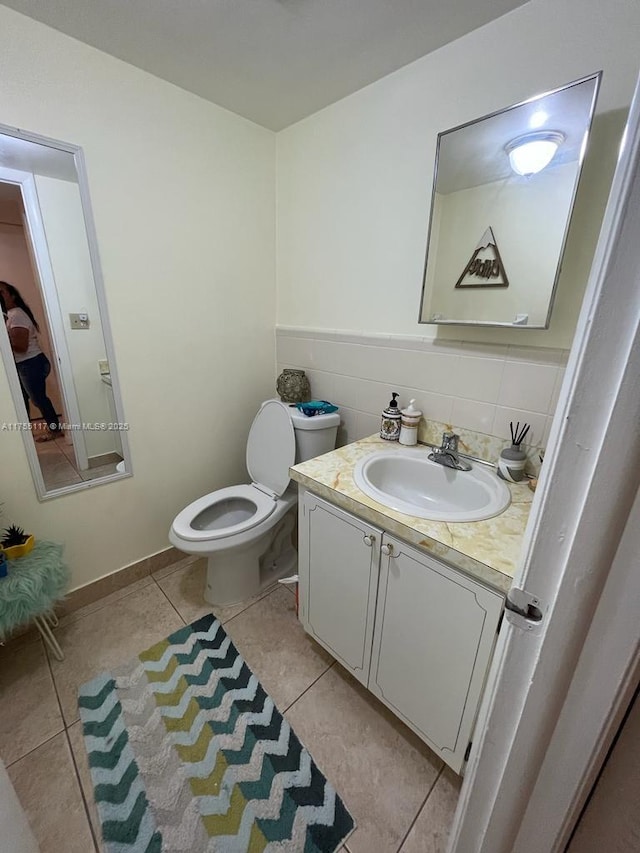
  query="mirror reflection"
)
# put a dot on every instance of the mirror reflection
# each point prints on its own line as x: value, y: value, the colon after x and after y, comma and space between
x: 55, y: 342
x: 503, y: 193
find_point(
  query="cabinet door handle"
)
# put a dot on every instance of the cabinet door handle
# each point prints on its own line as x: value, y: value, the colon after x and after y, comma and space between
x: 369, y: 539
x: 387, y: 550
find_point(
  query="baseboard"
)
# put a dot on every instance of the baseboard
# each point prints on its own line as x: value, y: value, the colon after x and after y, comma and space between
x: 117, y: 580
x: 99, y: 588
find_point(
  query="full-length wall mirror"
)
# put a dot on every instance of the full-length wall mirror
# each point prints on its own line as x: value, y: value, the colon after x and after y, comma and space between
x: 503, y: 193
x: 55, y: 340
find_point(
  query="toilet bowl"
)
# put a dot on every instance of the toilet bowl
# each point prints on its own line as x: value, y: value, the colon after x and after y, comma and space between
x: 245, y: 530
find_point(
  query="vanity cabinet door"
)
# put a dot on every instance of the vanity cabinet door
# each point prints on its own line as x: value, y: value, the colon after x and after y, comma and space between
x: 338, y: 578
x: 434, y: 637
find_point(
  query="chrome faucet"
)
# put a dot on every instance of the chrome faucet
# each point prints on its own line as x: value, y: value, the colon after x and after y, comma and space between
x: 447, y: 453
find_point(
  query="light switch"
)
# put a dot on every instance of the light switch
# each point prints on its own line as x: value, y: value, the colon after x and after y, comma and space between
x: 79, y: 321
x: 103, y: 366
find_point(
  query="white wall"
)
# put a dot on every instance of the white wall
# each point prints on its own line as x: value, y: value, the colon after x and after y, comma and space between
x: 354, y: 180
x: 528, y: 219
x: 183, y: 198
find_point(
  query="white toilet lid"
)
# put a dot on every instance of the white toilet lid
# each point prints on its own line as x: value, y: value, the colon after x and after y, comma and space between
x: 219, y: 521
x: 271, y: 447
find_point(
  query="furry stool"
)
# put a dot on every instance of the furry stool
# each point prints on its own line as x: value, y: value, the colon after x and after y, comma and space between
x: 30, y: 591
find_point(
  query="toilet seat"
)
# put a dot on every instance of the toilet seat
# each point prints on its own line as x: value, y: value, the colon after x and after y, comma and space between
x: 271, y: 447
x: 229, y: 512
x: 247, y: 504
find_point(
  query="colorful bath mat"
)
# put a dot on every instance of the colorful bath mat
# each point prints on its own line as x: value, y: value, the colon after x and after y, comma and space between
x: 188, y: 753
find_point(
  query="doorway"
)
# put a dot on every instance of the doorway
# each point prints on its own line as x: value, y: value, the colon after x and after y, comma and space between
x: 610, y: 819
x: 58, y: 459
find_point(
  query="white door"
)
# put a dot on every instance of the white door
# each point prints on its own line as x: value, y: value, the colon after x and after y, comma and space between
x: 434, y: 635
x: 556, y: 686
x: 338, y: 573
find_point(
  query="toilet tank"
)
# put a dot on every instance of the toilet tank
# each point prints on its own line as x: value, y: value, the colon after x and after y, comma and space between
x: 315, y: 435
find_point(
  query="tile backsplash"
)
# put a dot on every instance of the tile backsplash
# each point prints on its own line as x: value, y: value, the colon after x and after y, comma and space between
x: 473, y: 387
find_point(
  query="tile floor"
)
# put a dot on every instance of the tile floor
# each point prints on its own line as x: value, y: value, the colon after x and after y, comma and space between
x: 400, y: 794
x: 58, y: 465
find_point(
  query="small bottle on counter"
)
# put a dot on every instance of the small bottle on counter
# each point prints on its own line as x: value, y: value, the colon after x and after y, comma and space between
x: 390, y: 426
x: 410, y: 418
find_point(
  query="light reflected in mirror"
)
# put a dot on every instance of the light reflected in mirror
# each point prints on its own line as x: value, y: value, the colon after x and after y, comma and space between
x: 503, y: 194
x: 55, y: 341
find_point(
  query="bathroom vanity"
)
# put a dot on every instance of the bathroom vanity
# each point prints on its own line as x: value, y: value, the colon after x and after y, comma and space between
x: 410, y: 607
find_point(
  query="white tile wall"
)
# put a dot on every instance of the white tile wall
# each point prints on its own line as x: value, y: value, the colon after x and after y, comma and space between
x: 479, y: 387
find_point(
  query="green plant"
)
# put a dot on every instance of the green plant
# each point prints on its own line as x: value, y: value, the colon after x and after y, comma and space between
x: 13, y: 535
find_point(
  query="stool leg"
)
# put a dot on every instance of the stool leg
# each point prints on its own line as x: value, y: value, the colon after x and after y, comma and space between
x: 47, y: 636
x: 52, y: 619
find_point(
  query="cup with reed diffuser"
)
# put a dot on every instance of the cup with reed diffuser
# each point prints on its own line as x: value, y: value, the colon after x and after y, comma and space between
x: 513, y: 459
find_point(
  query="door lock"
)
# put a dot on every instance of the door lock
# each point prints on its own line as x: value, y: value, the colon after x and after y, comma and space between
x: 523, y: 608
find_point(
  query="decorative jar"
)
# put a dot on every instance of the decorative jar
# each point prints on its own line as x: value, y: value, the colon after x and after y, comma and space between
x: 293, y: 386
x: 511, y: 464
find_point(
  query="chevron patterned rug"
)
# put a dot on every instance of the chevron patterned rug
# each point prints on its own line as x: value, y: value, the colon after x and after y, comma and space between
x: 188, y: 753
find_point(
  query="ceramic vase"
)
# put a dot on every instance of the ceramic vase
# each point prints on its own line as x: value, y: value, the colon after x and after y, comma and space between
x: 511, y: 464
x: 293, y: 386
x: 15, y: 551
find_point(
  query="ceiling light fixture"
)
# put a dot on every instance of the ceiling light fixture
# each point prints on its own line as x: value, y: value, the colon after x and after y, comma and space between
x: 532, y: 152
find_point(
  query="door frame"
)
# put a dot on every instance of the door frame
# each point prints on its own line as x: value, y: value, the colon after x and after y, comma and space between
x: 36, y: 236
x: 525, y: 786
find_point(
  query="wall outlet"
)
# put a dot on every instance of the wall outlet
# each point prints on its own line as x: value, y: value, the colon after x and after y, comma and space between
x: 103, y: 367
x: 79, y: 321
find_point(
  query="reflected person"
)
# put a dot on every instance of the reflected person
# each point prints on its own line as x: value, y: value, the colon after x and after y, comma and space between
x: 32, y: 365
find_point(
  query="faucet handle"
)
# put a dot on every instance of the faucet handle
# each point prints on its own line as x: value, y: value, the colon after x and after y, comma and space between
x: 450, y: 441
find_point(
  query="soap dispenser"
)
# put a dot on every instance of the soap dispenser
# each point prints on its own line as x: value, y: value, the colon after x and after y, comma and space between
x: 390, y: 426
x: 409, y: 424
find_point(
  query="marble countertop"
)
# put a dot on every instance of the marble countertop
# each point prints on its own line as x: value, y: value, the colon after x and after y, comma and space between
x: 486, y: 550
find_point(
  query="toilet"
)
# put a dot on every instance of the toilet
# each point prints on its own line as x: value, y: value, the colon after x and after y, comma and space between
x: 245, y: 531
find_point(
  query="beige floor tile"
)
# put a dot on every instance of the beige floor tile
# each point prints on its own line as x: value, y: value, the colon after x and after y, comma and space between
x: 67, y: 450
x: 50, y: 449
x: 110, y: 458
x: 105, y: 601
x: 48, y: 790
x: 82, y: 763
x: 58, y: 473
x: 430, y: 832
x: 29, y: 711
x: 185, y: 590
x: 380, y: 768
x: 273, y: 643
x: 100, y: 471
x: 109, y: 637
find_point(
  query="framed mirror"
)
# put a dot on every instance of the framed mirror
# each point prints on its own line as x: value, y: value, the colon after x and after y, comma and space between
x: 55, y: 340
x: 503, y: 193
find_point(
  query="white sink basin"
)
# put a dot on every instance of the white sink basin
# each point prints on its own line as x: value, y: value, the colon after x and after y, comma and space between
x: 407, y: 481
